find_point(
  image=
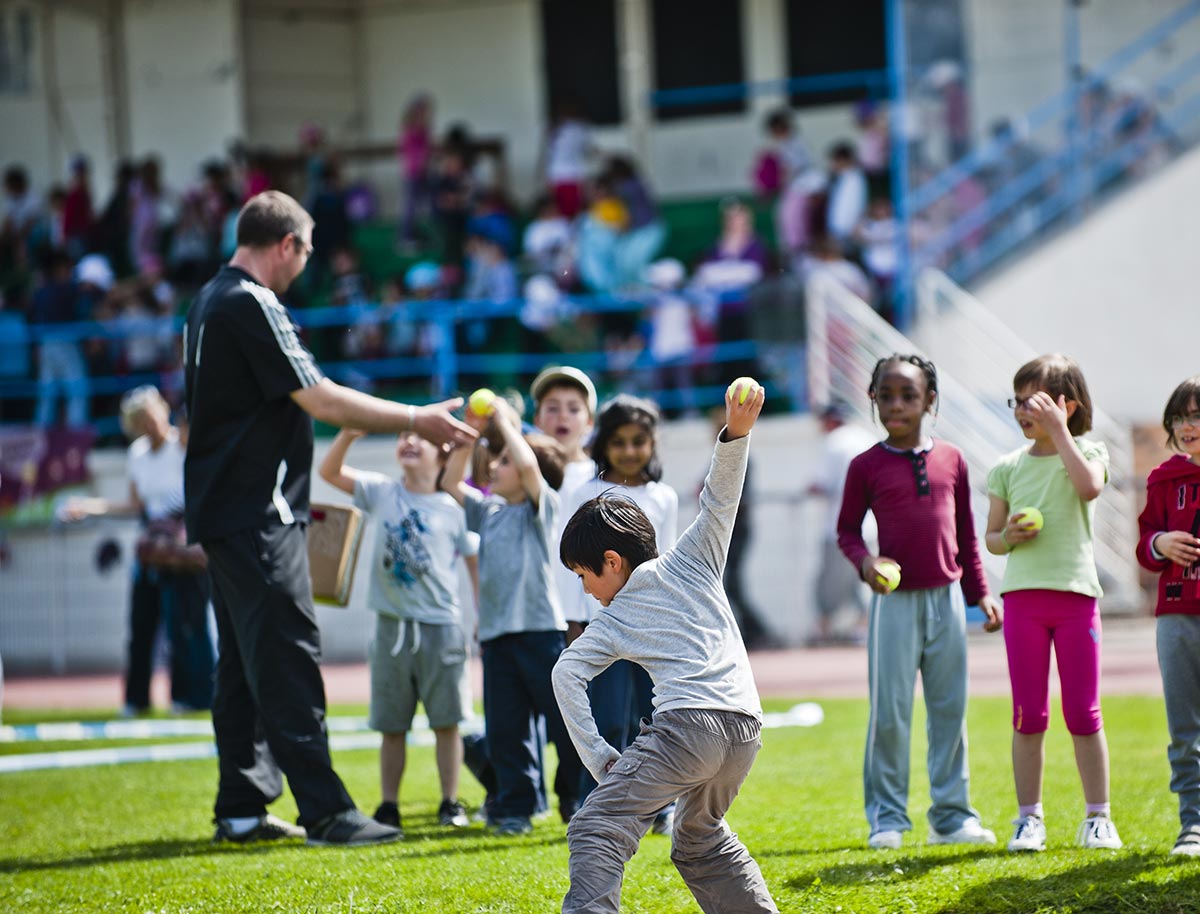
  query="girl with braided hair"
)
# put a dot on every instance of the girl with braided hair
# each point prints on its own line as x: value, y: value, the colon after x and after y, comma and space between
x: 917, y: 488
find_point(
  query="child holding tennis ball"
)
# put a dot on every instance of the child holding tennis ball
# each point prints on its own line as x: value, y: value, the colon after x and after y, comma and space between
x: 1170, y: 547
x: 1051, y: 589
x: 918, y: 490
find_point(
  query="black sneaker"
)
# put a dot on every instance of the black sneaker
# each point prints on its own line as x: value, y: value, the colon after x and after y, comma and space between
x: 268, y: 828
x: 387, y: 814
x: 453, y: 814
x: 350, y: 828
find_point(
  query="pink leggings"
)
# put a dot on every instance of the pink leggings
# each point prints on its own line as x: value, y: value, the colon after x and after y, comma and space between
x: 1033, y: 619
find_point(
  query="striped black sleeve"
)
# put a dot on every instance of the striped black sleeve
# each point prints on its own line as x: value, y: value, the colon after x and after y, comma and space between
x: 268, y: 337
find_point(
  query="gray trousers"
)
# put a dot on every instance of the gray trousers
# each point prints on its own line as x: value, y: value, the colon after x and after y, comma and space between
x: 1179, y: 663
x: 911, y: 631
x: 700, y: 756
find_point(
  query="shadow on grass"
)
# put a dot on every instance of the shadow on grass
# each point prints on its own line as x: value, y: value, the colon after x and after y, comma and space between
x: 1117, y: 883
x: 418, y: 843
x: 904, y: 865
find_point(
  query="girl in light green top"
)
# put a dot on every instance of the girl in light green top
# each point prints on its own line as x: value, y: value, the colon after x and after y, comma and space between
x: 1041, y: 515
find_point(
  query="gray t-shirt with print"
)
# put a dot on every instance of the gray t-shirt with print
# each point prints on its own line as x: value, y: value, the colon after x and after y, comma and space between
x: 418, y: 541
x: 516, y: 551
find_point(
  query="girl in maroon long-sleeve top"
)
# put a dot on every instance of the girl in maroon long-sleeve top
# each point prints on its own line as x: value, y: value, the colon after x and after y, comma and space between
x: 917, y: 489
x: 1170, y: 544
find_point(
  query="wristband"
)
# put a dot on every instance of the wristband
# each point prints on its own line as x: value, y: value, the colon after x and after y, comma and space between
x: 412, y: 418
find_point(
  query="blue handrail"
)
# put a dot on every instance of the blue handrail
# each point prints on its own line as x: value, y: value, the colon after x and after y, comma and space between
x: 871, y: 80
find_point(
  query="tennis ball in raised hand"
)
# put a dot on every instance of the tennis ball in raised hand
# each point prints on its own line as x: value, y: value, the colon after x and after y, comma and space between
x: 747, y: 385
x: 888, y: 574
x: 481, y: 403
x: 1032, y: 516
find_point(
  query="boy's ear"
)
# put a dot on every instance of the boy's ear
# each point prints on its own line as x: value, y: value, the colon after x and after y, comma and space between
x: 612, y: 559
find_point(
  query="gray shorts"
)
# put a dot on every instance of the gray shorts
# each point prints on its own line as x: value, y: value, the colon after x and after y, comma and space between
x: 424, y: 662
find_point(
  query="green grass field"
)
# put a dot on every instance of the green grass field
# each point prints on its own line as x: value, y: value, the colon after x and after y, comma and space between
x: 136, y: 838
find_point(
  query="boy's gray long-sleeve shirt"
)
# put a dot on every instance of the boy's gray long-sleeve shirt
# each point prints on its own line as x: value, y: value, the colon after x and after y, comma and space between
x: 673, y: 619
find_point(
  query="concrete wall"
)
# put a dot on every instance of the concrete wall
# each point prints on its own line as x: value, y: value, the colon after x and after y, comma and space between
x: 60, y: 613
x: 1118, y: 293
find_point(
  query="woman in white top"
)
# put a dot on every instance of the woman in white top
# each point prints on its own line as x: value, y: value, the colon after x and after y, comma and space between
x: 168, y: 587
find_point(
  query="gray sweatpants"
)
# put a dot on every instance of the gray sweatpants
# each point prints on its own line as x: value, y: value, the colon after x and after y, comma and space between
x: 701, y: 757
x: 1179, y: 663
x: 911, y: 631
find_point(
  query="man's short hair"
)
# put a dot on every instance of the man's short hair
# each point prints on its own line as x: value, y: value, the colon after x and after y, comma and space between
x: 268, y: 218
x: 609, y: 521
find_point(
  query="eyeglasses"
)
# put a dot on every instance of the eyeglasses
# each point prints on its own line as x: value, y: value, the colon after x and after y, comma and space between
x: 302, y: 246
x: 1018, y: 402
x: 1192, y: 419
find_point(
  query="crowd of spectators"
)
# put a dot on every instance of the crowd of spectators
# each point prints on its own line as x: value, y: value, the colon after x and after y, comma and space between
x: 593, y: 228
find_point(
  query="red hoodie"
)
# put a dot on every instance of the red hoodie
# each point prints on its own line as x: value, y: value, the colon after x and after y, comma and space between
x: 1172, y: 503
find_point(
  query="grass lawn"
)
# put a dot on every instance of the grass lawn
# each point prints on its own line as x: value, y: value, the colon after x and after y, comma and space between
x: 136, y: 838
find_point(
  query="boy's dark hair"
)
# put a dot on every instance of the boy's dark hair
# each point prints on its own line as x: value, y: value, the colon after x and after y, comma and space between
x: 550, y: 456
x: 268, y: 218
x: 625, y: 410
x: 1186, y: 396
x: 843, y: 152
x: 926, y: 366
x: 608, y: 521
x: 1060, y: 376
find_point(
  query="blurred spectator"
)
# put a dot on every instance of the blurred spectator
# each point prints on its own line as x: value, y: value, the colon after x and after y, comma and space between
x: 738, y: 241
x: 785, y: 158
x: 622, y: 232
x: 316, y: 161
x: 256, y: 178
x: 672, y: 336
x: 945, y: 79
x: 414, y: 148
x: 331, y: 229
x: 827, y: 259
x: 113, y: 226
x: 490, y: 273
x: 49, y: 232
x: 78, y: 218
x: 452, y: 191
x: 217, y: 200
x: 60, y: 363
x: 847, y: 193
x: 874, y: 145
x: 190, y: 255
x: 548, y: 242
x: 879, y: 237
x: 22, y: 210
x: 568, y: 148
x: 150, y: 211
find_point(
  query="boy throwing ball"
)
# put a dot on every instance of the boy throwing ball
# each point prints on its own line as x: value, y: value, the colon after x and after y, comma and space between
x: 670, y: 615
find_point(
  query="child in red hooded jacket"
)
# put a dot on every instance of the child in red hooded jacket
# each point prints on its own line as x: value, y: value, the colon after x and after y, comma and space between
x: 1170, y: 544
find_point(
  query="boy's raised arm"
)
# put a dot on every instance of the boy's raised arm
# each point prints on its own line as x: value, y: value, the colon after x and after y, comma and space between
x: 708, y: 536
x: 333, y: 468
x: 520, y: 454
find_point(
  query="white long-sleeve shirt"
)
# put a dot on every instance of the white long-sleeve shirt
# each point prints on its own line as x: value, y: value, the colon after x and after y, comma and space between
x: 673, y: 619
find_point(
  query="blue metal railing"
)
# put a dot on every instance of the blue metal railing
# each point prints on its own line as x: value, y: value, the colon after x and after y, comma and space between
x: 1087, y: 161
x: 442, y: 368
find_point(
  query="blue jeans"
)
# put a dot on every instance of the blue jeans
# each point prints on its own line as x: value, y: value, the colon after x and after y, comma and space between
x: 61, y: 367
x: 516, y: 691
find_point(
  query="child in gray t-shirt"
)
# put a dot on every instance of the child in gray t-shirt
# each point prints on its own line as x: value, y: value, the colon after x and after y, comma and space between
x: 670, y: 615
x: 521, y: 627
x: 419, y: 649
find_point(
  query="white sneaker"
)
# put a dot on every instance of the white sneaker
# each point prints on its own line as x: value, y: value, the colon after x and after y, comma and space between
x: 1098, y: 832
x: 1188, y: 843
x: 970, y: 832
x: 1030, y: 834
x: 885, y: 840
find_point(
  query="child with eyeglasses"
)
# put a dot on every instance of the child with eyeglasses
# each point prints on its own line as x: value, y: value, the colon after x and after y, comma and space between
x: 1169, y: 545
x: 1051, y: 589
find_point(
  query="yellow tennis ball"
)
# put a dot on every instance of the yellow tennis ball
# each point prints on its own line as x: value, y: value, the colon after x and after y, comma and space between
x: 888, y: 573
x: 481, y: 402
x: 1032, y: 516
x: 747, y: 385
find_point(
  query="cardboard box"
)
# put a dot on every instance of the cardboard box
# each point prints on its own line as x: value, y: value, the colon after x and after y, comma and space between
x: 333, y: 540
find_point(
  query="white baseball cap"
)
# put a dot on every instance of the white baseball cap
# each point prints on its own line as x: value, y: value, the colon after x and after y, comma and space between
x: 564, y: 374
